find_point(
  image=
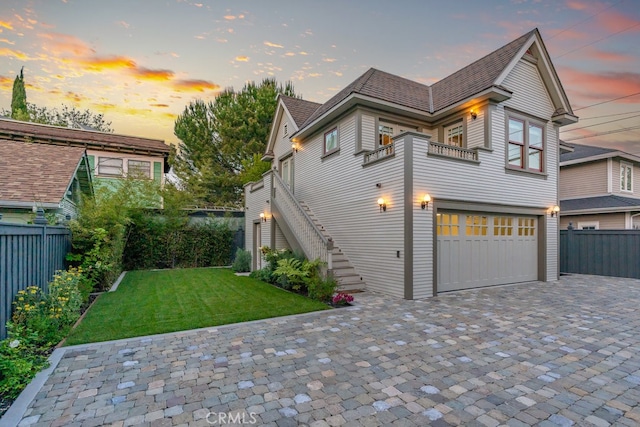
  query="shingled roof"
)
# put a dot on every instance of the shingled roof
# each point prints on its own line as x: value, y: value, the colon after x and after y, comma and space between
x: 584, y: 151
x: 463, y: 84
x: 38, y: 173
x: 35, y: 132
x: 600, y: 202
x: 299, y: 109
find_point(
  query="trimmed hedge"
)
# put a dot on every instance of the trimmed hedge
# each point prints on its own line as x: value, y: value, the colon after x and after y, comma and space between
x: 155, y: 242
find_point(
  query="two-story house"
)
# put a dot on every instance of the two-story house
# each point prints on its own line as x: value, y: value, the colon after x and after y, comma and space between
x: 39, y: 176
x: 599, y: 188
x: 414, y: 189
x: 111, y: 156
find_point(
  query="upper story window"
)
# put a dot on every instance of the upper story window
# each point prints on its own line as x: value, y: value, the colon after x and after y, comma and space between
x: 285, y: 129
x: 139, y: 168
x: 385, y: 135
x: 626, y: 177
x: 109, y: 166
x: 331, y: 141
x: 526, y: 144
x: 454, y: 134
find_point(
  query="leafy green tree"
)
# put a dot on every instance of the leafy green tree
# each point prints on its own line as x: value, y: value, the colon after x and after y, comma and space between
x: 68, y: 117
x: 19, y: 99
x: 222, y: 141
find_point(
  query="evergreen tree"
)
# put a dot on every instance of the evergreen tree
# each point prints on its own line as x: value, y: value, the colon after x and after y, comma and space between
x: 19, y: 99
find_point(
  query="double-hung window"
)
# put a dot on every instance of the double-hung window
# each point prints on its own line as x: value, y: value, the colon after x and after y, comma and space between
x: 525, y: 144
x: 454, y: 134
x: 139, y: 169
x: 626, y: 177
x: 109, y: 166
x: 331, y: 141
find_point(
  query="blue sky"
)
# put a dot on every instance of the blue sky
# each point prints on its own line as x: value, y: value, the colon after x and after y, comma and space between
x: 141, y: 62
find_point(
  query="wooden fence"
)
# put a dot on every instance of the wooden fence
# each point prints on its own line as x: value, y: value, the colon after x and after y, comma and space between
x: 601, y: 252
x: 29, y: 255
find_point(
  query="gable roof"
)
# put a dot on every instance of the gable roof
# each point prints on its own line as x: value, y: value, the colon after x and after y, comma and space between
x: 586, y: 153
x: 35, y: 132
x: 39, y: 173
x: 299, y: 109
x: 609, y: 202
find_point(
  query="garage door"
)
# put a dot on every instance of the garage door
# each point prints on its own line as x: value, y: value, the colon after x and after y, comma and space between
x: 479, y: 249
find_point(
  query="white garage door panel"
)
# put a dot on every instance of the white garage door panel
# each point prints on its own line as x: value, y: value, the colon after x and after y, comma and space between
x: 477, y: 250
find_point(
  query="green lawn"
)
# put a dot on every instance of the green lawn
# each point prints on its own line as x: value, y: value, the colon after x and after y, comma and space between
x: 154, y: 302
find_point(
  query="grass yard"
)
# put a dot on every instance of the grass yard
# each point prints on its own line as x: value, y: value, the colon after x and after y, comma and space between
x: 155, y: 302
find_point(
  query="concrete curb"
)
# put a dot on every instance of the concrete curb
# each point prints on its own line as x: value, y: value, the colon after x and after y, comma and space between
x: 115, y: 285
x: 16, y: 411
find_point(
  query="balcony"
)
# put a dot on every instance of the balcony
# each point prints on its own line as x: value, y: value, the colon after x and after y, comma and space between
x: 453, y: 152
x: 384, y: 152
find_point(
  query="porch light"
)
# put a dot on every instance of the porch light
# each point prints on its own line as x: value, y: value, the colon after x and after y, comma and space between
x: 263, y: 217
x: 294, y: 146
x: 555, y: 210
x: 425, y: 201
x: 474, y: 115
x: 382, y: 204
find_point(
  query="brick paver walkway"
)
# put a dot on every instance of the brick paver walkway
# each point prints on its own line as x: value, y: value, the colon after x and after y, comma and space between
x: 556, y: 354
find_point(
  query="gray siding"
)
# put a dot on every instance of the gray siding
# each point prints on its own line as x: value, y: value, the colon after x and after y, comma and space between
x: 587, y: 179
x: 612, y: 221
x: 369, y: 132
x: 281, y: 241
x: 475, y: 129
x: 256, y: 202
x: 29, y: 255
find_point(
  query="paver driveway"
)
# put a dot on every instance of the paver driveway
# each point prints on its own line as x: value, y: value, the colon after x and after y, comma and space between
x: 534, y: 354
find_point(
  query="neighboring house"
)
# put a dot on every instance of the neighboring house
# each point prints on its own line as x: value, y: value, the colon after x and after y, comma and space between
x: 599, y: 188
x: 111, y: 156
x: 416, y: 189
x: 43, y: 176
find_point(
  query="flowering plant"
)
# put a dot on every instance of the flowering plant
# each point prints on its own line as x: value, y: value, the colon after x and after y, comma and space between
x: 342, y: 299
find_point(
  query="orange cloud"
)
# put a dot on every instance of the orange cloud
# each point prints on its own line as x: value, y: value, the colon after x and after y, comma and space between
x: 329, y: 59
x: 123, y: 24
x: 268, y: 43
x: 159, y: 105
x: 101, y: 63
x: 76, y: 98
x: 6, y: 83
x: 577, y: 5
x: 5, y: 51
x: 63, y: 44
x: 229, y: 17
x: 6, y: 24
x: 157, y: 75
x: 195, y: 85
x: 242, y: 58
x: 6, y: 41
x: 607, y: 85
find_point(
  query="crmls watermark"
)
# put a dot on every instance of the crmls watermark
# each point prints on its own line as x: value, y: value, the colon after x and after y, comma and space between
x: 222, y: 418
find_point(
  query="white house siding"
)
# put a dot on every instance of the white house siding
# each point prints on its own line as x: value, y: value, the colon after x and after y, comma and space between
x: 585, y: 179
x: 475, y: 129
x: 422, y: 224
x: 369, y: 132
x: 282, y: 145
x: 281, y: 241
x: 256, y: 201
x: 343, y: 196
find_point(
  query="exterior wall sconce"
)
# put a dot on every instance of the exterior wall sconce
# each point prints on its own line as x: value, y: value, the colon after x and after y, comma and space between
x: 555, y: 210
x: 263, y: 217
x: 382, y: 204
x: 474, y: 115
x: 425, y: 201
x: 295, y: 146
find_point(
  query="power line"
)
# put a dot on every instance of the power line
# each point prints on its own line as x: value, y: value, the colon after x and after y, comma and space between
x: 608, y: 115
x: 605, y: 102
x: 601, y: 133
x: 599, y: 124
x: 585, y: 20
x: 599, y: 40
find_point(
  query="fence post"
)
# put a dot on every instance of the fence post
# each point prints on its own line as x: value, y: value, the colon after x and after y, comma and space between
x: 41, y: 220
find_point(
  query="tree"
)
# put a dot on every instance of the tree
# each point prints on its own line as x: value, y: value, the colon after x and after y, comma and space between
x: 19, y: 99
x: 222, y: 141
x: 68, y: 117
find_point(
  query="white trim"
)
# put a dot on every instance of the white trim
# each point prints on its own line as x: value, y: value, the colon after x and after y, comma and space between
x: 609, y: 175
x: 583, y: 224
x: 630, y: 166
x: 627, y: 221
x: 621, y: 154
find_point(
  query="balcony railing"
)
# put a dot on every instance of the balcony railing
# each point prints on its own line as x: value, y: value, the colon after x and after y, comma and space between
x: 380, y: 153
x: 445, y: 150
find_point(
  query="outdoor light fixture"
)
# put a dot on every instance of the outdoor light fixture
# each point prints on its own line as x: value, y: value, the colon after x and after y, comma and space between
x: 294, y: 146
x: 474, y: 115
x: 555, y: 210
x: 382, y: 204
x: 263, y: 217
x: 425, y: 201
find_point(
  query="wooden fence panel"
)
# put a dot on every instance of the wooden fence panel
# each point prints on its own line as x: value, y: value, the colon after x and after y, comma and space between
x: 29, y: 255
x: 600, y: 252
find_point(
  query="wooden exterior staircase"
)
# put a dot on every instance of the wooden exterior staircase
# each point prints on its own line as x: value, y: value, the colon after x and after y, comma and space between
x: 304, y: 232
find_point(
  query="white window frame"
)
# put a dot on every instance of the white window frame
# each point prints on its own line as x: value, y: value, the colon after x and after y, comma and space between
x: 460, y: 134
x: 526, y: 147
x: 587, y: 225
x: 333, y: 130
x: 287, y: 177
x: 139, y: 171
x: 626, y: 184
x: 103, y: 167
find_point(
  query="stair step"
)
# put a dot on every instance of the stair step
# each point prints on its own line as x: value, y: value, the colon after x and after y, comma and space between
x: 351, y: 288
x: 344, y: 272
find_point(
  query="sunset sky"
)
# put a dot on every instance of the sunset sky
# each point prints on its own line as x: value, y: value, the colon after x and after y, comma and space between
x: 141, y: 62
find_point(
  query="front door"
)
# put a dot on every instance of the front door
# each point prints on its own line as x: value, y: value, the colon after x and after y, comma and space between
x: 286, y: 171
x: 257, y: 244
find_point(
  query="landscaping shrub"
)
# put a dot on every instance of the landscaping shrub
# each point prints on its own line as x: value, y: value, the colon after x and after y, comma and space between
x: 242, y: 262
x: 39, y: 321
x: 322, y: 289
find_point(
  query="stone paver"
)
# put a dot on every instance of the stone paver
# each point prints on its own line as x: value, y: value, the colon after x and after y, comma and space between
x: 553, y: 354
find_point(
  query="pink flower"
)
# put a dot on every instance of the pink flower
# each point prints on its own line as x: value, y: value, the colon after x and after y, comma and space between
x: 342, y: 298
